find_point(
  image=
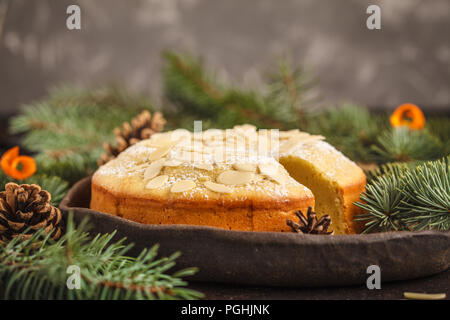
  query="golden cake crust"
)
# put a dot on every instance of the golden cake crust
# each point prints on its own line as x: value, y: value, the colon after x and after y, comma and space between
x: 233, y: 214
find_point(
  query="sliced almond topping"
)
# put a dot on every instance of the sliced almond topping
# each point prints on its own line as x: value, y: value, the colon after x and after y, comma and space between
x: 191, y: 148
x: 288, y: 134
x: 187, y: 156
x: 153, y: 169
x: 245, y: 127
x: 217, y: 187
x: 182, y: 186
x: 172, y: 163
x: 184, y: 156
x: 156, y: 139
x: 279, y: 177
x: 158, y: 143
x: 273, y: 172
x: 232, y: 177
x: 159, y: 153
x: 214, y: 143
x: 157, y: 182
x: 160, y: 140
x: 137, y: 167
x: 204, y: 166
x: 310, y: 138
x: 213, y: 134
x: 299, y: 138
x: 245, y: 167
x: 424, y: 296
x: 180, y: 133
x: 210, y: 150
x: 289, y: 145
x: 268, y: 169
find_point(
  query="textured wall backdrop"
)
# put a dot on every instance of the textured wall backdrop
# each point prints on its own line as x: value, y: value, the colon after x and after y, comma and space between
x: 121, y: 41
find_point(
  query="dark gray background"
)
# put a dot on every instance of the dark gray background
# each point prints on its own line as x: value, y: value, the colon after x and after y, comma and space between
x: 121, y: 41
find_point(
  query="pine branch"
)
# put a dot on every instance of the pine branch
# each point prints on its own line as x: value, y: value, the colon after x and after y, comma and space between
x: 111, y: 96
x: 403, y: 144
x: 196, y: 94
x: 193, y: 91
x: 350, y: 128
x: 427, y: 189
x: 405, y: 198
x: 390, y: 168
x: 439, y: 127
x: 241, y: 106
x: 382, y: 200
x: 189, y: 88
x: 67, y: 130
x: 30, y: 272
x: 295, y: 93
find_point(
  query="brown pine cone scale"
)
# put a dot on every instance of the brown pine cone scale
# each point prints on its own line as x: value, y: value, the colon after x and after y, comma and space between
x: 141, y: 127
x: 24, y: 209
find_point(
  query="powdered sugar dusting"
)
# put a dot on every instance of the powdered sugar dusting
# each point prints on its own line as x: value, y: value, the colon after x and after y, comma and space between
x: 204, y: 157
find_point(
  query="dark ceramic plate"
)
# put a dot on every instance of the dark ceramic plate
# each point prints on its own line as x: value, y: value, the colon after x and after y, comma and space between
x: 275, y: 258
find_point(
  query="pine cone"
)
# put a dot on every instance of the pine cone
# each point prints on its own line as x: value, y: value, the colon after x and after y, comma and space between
x: 142, y: 127
x: 310, y: 224
x: 27, y: 206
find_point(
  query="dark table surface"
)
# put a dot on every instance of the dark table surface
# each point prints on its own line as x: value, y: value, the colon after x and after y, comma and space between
x: 439, y: 283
